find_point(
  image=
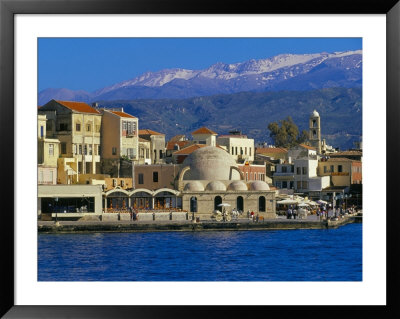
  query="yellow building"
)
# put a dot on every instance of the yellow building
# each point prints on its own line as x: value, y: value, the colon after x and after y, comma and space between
x: 120, y: 135
x: 343, y: 171
x: 48, y: 150
x: 78, y: 127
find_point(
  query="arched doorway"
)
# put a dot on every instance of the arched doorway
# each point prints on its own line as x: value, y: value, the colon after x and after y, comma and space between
x: 261, y: 204
x: 217, y: 201
x: 193, y: 204
x: 239, y: 203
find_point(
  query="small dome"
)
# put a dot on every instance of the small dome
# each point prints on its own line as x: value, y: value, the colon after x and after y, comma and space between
x: 259, y: 186
x: 315, y: 113
x: 216, y: 186
x: 194, y: 186
x: 237, y: 186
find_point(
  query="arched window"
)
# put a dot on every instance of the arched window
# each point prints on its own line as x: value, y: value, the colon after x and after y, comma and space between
x: 193, y: 204
x: 217, y: 201
x: 239, y: 203
x: 261, y: 204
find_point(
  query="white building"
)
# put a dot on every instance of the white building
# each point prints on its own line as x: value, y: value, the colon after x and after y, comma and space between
x: 238, y: 145
x: 305, y: 176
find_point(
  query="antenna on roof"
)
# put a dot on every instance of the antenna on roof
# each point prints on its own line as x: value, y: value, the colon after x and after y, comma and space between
x: 95, y: 105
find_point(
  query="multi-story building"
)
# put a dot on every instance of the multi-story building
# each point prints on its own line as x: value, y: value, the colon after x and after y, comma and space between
x: 238, y: 145
x: 156, y: 176
x: 157, y: 145
x: 119, y: 135
x: 301, y: 151
x: 271, y: 153
x: 78, y: 127
x: 343, y: 171
x: 144, y: 151
x: 305, y: 176
x: 252, y: 172
x: 284, y: 176
x: 48, y: 151
x: 204, y: 136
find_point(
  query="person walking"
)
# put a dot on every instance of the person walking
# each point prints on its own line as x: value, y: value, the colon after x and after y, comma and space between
x: 257, y: 218
x: 252, y: 216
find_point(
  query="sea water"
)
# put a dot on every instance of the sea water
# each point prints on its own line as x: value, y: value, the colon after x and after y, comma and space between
x: 267, y: 255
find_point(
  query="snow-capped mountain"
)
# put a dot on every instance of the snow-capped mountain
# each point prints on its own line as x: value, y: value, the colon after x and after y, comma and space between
x: 281, y: 72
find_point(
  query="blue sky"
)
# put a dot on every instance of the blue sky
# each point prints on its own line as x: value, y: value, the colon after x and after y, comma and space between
x: 93, y: 63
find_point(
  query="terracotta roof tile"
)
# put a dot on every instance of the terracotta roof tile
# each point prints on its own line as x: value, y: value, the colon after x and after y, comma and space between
x: 176, y: 138
x: 78, y: 107
x: 171, y: 144
x: 190, y: 149
x: 123, y: 114
x: 271, y: 150
x: 149, y: 132
x: 204, y: 130
x: 308, y: 147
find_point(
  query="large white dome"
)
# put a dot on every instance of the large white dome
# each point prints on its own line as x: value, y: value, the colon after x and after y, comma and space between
x: 258, y: 186
x: 237, y: 186
x: 216, y: 186
x: 210, y: 163
x: 194, y: 186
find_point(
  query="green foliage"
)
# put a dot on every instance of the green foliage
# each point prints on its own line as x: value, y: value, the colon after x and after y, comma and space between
x: 286, y: 133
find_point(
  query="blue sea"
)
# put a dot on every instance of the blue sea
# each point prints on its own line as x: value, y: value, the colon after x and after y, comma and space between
x: 270, y: 255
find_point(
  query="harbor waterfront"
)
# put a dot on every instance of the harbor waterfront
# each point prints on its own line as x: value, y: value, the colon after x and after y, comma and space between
x: 325, y: 254
x: 312, y: 222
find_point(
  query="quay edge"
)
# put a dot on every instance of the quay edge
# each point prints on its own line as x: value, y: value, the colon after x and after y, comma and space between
x: 87, y: 227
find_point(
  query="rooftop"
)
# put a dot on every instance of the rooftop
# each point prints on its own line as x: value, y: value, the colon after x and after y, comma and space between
x: 78, y: 107
x: 149, y: 132
x: 123, y: 114
x: 270, y: 150
x: 171, y: 144
x: 308, y: 147
x: 190, y: 149
x: 204, y: 130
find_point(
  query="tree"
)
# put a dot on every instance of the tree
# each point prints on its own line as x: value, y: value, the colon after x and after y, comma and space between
x: 286, y: 133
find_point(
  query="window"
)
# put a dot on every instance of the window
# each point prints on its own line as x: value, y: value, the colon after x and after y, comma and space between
x: 51, y: 149
x: 75, y: 149
x: 261, y: 204
x: 161, y: 154
x: 247, y: 176
x: 41, y: 131
x: 147, y: 153
x: 284, y: 169
x: 140, y: 177
x: 332, y: 168
x: 298, y: 170
x: 278, y: 184
x: 63, y: 127
x: 284, y: 184
x: 90, y: 149
x: 99, y: 149
x: 124, y: 125
x: 245, y: 151
x: 304, y: 185
x: 292, y: 169
x: 88, y: 127
x: 236, y: 150
x: 78, y: 127
x: 325, y: 169
x: 63, y: 148
x: 232, y: 150
x: 155, y: 177
x: 340, y: 168
x: 85, y: 149
x: 193, y: 205
x: 241, y: 151
x: 114, y: 151
x: 304, y: 170
x: 80, y: 149
x: 250, y: 151
x: 298, y: 185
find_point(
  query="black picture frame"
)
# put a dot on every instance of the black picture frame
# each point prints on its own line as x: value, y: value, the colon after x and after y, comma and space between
x: 8, y: 10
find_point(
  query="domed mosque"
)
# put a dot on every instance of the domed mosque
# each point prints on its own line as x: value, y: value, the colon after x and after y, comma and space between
x: 210, y: 177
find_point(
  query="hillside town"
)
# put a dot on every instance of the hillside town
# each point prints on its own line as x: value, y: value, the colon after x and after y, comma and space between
x: 95, y: 163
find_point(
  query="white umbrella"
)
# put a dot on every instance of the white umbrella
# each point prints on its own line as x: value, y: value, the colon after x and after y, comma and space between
x: 320, y: 201
x: 302, y: 205
x: 288, y: 201
x: 223, y: 204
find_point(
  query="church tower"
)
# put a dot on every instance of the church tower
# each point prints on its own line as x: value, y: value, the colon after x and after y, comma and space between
x: 315, y: 131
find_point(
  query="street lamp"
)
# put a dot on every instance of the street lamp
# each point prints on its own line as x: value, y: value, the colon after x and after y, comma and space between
x: 56, y: 200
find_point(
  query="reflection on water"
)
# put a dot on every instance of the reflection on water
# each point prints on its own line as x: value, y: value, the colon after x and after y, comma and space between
x: 294, y: 255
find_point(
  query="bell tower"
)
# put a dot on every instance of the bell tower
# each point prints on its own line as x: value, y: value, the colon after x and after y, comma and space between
x: 315, y: 131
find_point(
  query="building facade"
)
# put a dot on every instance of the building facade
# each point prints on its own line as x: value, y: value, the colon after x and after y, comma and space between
x: 157, y: 145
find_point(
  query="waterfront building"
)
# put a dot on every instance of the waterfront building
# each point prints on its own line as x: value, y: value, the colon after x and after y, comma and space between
x: 119, y: 138
x: 210, y: 177
x: 238, y: 145
x: 306, y: 179
x: 69, y: 201
x: 283, y: 177
x: 156, y: 176
x: 157, y: 145
x: 48, y: 152
x: 144, y: 151
x: 78, y: 127
x: 343, y: 171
